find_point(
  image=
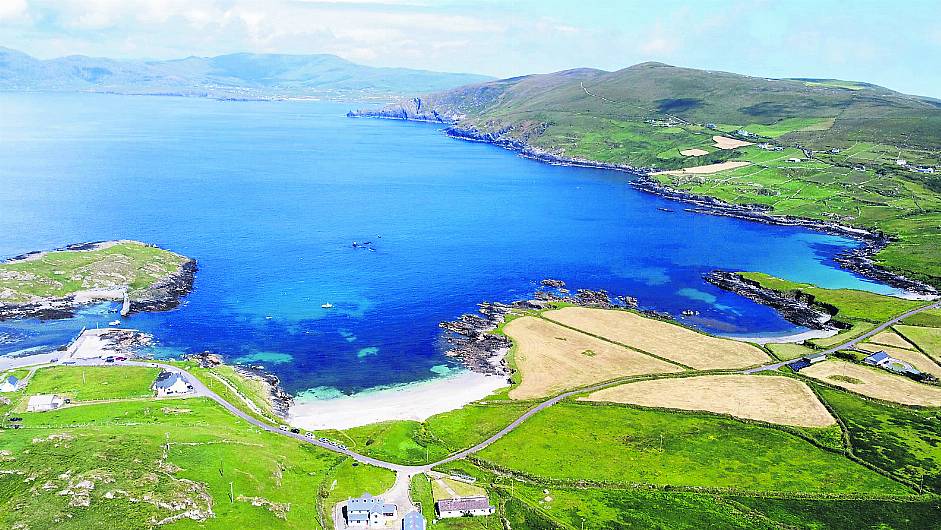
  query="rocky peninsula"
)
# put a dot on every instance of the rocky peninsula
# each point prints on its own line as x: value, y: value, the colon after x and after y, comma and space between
x: 53, y: 284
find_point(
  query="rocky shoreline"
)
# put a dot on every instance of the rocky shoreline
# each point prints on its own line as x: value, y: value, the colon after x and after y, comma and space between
x: 164, y: 295
x: 796, y: 307
x: 280, y: 400
x: 860, y: 260
x: 471, y: 339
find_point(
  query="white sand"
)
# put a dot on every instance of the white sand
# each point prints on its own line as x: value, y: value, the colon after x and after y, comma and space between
x: 705, y: 170
x: 781, y: 339
x: 415, y: 401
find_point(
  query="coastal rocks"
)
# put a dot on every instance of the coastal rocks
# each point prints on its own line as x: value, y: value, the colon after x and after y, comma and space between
x: 859, y: 260
x: 281, y: 401
x: 796, y: 307
x: 167, y: 293
x: 471, y: 338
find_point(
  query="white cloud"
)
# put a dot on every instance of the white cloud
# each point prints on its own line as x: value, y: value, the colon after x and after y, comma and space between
x: 13, y: 10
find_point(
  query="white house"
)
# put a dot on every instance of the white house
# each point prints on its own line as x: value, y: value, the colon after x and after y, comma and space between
x: 10, y: 384
x: 367, y: 511
x: 171, y: 384
x: 43, y: 403
x: 467, y: 506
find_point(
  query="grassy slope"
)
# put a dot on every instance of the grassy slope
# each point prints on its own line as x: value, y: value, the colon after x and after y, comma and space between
x: 902, y: 440
x: 58, y: 274
x: 89, y: 383
x: 121, y: 447
x: 411, y: 442
x: 623, y: 445
x: 861, y: 185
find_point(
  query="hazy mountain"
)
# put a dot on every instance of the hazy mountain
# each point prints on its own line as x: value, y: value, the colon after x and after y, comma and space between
x: 241, y: 73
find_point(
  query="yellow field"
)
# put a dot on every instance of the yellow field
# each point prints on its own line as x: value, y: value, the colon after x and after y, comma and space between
x: 915, y: 358
x: 663, y: 339
x: 874, y: 382
x: 890, y: 338
x: 724, y: 142
x: 694, y: 152
x: 772, y: 399
x: 707, y: 169
x: 552, y: 358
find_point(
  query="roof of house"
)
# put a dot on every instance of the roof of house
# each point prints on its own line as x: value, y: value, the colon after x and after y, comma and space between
x: 877, y: 357
x: 168, y: 379
x: 463, y: 505
x: 43, y: 400
x: 814, y: 356
x: 413, y: 521
x: 12, y: 380
x: 368, y: 503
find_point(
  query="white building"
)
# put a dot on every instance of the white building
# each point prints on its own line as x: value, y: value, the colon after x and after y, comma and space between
x: 467, y: 506
x: 43, y: 403
x: 171, y: 384
x: 367, y: 511
x: 10, y: 384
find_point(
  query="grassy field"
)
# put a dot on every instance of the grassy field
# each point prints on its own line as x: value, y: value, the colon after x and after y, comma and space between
x: 903, y: 441
x: 625, y: 445
x: 787, y: 351
x: 928, y: 340
x: 930, y: 318
x: 90, y: 383
x: 57, y: 274
x: 412, y: 442
x: 139, y: 480
x: 846, y: 514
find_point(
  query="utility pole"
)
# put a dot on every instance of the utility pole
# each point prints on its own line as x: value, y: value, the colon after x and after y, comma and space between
x: 231, y: 493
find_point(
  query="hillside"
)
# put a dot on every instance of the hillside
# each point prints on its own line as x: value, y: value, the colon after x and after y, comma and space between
x: 235, y: 75
x: 852, y: 153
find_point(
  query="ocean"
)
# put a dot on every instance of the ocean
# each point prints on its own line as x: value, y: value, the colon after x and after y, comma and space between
x: 269, y: 197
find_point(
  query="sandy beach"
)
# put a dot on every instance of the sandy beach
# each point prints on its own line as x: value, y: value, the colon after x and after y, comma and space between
x: 780, y: 339
x: 415, y: 401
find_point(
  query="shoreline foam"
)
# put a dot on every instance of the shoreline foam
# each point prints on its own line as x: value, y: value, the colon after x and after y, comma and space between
x: 410, y: 401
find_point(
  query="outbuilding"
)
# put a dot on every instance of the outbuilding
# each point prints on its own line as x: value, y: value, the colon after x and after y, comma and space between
x: 413, y: 521
x: 464, y: 507
x: 43, y: 403
x: 814, y: 358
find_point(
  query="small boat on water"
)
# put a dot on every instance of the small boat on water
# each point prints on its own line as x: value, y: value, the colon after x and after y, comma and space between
x: 114, y: 323
x: 690, y: 313
x: 665, y: 210
x: 328, y: 305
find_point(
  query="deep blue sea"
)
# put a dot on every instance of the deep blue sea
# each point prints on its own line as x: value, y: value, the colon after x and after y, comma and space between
x: 269, y: 196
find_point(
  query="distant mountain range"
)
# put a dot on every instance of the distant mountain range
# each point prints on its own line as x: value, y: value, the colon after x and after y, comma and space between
x: 235, y: 76
x: 544, y: 109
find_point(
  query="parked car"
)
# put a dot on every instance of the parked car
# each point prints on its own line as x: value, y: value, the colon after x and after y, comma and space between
x: 120, y: 358
x: 16, y: 418
x: 109, y: 359
x: 309, y: 434
x: 296, y: 430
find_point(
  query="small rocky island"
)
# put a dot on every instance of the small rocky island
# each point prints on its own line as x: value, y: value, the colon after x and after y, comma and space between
x: 53, y: 284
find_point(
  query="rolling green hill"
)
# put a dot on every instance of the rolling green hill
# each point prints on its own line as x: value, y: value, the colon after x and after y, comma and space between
x: 821, y: 148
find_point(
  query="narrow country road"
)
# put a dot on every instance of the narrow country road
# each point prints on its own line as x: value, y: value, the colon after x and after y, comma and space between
x: 850, y: 344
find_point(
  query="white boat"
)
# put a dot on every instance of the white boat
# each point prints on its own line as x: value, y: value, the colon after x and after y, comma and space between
x: 114, y: 323
x: 328, y: 305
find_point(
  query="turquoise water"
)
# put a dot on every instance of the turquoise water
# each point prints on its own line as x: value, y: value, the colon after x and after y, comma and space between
x: 269, y: 196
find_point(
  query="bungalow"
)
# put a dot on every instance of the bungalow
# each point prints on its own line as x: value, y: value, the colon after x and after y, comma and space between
x: 367, y: 511
x: 413, y: 521
x: 794, y: 159
x: 465, y: 507
x: 885, y: 361
x: 10, y: 384
x: 43, y: 403
x: 171, y: 384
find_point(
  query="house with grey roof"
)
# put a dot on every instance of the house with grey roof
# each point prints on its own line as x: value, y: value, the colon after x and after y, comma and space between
x: 10, y: 384
x: 464, y: 507
x: 413, y: 521
x: 885, y: 361
x: 44, y: 402
x: 171, y: 384
x: 367, y: 511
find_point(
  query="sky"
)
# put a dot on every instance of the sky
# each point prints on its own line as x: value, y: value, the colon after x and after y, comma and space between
x: 891, y: 43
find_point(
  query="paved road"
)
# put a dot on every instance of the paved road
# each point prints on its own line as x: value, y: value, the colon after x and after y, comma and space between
x: 848, y: 345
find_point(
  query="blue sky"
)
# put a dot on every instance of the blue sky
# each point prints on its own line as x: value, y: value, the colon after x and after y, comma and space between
x: 895, y: 44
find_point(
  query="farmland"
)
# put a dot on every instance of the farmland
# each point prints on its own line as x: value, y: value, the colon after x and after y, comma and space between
x: 875, y: 383
x: 620, y: 445
x: 89, y: 383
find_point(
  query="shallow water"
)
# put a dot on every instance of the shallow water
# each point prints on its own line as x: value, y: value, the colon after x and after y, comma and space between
x: 269, y: 196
